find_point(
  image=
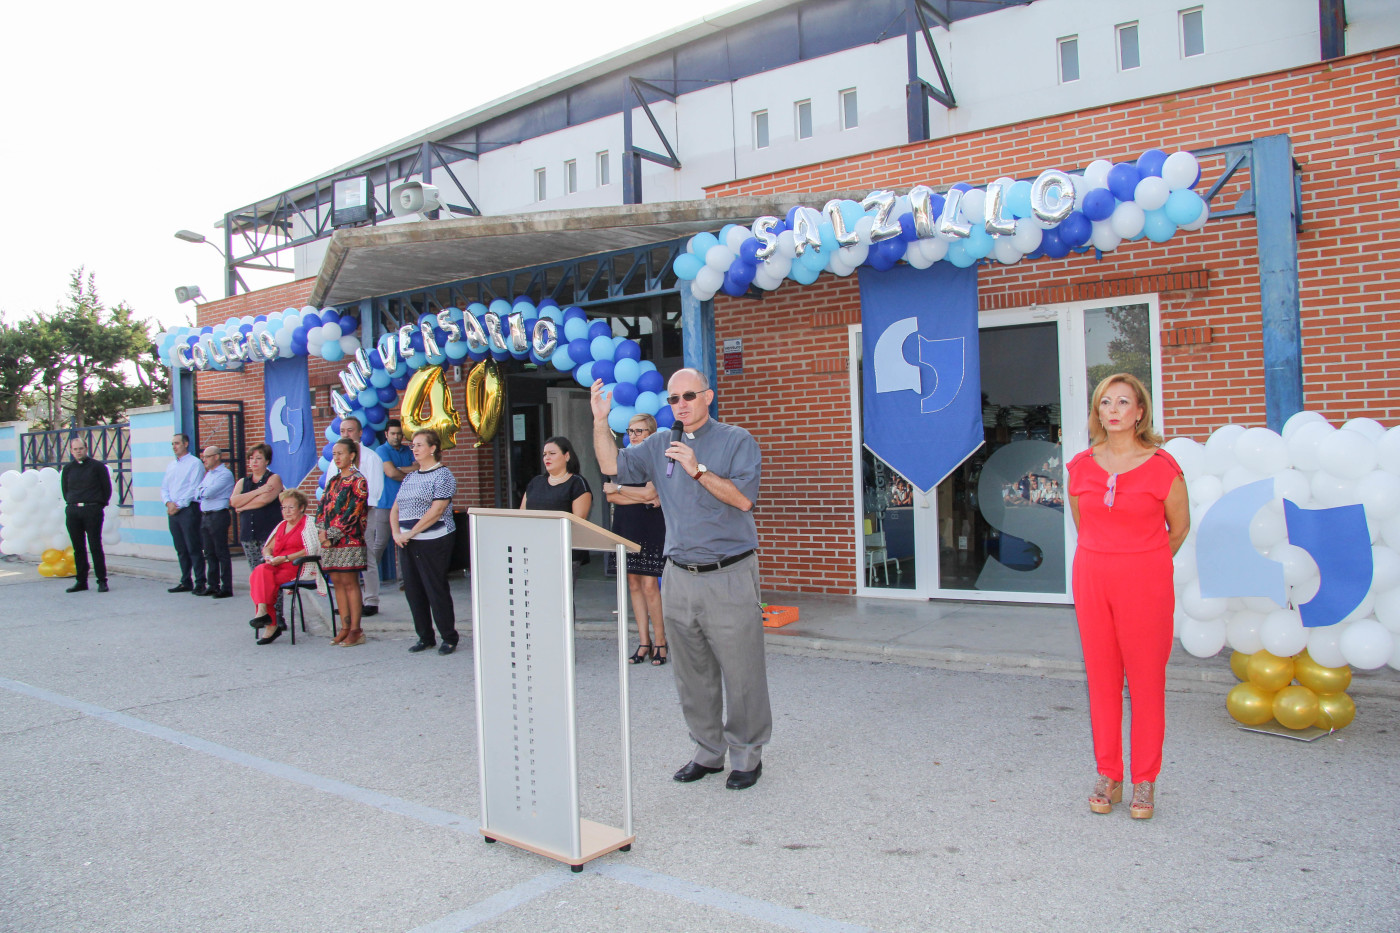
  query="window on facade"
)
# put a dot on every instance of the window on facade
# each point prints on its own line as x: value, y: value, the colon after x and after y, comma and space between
x: 1069, y: 59
x: 571, y: 176
x: 803, y: 118
x: 539, y: 184
x: 603, y: 176
x: 1128, y: 57
x: 850, y: 113
x: 760, y: 129
x: 1193, y: 32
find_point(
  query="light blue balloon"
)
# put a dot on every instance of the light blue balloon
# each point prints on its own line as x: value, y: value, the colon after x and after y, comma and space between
x: 554, y: 313
x: 647, y: 366
x: 359, y: 415
x: 368, y: 397
x: 455, y: 350
x: 576, y: 329
x: 602, y: 348
x: 959, y: 256
x: 331, y: 351
x: 979, y: 243
x: 323, y: 464
x: 625, y: 370
x: 803, y: 275
x: 415, y: 361
x: 851, y: 214
x: 380, y: 425
x: 380, y: 379
x: 331, y: 436
x: 437, y: 359
x: 648, y: 403
x: 687, y: 265
x: 608, y: 389
x: 1158, y: 227
x: 561, y: 360
x: 1018, y: 199
x: 1183, y: 206
x: 701, y: 243
x: 584, y: 374
x: 619, y: 416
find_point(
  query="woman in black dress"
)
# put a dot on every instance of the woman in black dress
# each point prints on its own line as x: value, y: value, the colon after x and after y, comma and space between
x: 560, y: 488
x: 637, y: 516
x: 256, y: 501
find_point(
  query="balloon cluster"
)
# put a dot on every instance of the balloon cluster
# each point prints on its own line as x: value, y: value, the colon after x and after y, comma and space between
x: 308, y: 331
x: 32, y: 514
x: 1297, y: 691
x: 1008, y: 220
x: 1315, y: 466
x: 56, y: 563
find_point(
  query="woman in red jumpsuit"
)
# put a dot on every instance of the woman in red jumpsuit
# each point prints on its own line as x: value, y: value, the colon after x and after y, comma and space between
x: 1128, y: 499
x: 289, y: 540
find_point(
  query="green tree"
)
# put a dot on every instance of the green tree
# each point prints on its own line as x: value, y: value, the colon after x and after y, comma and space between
x: 17, y: 368
x: 1130, y: 349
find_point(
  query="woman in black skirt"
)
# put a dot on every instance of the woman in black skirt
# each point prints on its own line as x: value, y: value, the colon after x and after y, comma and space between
x: 637, y: 516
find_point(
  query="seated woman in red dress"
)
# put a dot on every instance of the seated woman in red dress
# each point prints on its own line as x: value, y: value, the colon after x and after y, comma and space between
x: 294, y: 537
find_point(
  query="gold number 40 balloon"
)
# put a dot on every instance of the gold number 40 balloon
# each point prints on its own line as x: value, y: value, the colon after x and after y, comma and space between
x: 485, y: 400
x: 427, y: 403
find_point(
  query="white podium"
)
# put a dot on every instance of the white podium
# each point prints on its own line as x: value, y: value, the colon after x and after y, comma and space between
x: 523, y: 636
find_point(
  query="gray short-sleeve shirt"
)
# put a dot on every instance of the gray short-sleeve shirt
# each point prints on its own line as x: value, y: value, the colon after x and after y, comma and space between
x: 700, y: 529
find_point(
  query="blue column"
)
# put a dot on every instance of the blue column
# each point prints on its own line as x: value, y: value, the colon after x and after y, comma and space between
x: 1275, y: 212
x: 182, y: 401
x: 698, y: 339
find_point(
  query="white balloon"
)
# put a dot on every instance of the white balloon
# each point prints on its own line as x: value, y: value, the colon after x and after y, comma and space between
x: 1380, y: 493
x: 1323, y: 645
x: 863, y: 228
x: 1199, y: 222
x: 330, y: 332
x: 1267, y: 529
x: 1292, y: 485
x: 1179, y: 170
x: 1203, y: 637
x: 1239, y: 475
x: 1394, y: 661
x: 1331, y: 491
x: 720, y: 258
x: 1220, y: 452
x: 1388, y: 450
x: 736, y: 237
x: 349, y: 344
x: 708, y: 279
x: 1304, y: 590
x: 1104, y: 238
x: 1372, y: 429
x: 1127, y: 220
x: 1151, y: 193
x: 973, y: 205
x: 1298, y: 564
x: 1262, y: 451
x: 1242, y: 631
x: 1189, y: 455
x: 1304, y: 443
x: 1260, y: 604
x: 1027, y: 236
x: 1283, y: 634
x: 1204, y: 490
x: 1366, y: 644
x: 935, y: 248
x: 1006, y: 252
x: 1347, y: 454
x: 1184, y: 565
x: 1298, y: 419
x: 1199, y: 607
x: 1096, y: 173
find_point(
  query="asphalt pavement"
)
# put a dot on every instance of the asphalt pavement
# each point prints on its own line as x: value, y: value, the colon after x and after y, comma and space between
x: 158, y: 771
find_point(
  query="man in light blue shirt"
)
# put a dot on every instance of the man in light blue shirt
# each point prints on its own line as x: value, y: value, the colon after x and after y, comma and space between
x: 177, y: 491
x: 213, y: 495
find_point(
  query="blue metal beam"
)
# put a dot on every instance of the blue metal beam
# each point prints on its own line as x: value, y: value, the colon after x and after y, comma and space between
x: 1279, y: 306
x: 698, y: 340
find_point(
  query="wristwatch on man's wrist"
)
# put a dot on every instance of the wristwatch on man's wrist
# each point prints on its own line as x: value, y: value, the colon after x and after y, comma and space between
x: 701, y: 470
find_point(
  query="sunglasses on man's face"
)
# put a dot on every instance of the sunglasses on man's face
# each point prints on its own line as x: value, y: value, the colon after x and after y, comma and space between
x: 688, y: 396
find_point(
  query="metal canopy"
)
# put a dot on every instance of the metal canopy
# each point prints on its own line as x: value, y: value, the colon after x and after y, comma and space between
x: 369, y: 262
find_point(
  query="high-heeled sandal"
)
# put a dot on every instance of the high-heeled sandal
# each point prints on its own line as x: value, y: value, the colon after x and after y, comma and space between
x: 1106, y: 793
x: 356, y: 639
x: 658, y: 658
x: 1143, y: 804
x: 641, y: 654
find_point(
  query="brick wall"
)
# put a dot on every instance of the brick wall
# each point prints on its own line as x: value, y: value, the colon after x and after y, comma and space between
x: 1344, y: 121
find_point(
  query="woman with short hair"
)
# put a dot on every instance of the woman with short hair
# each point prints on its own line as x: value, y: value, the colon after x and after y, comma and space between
x: 292, y: 538
x: 422, y: 524
x: 637, y: 516
x: 256, y: 500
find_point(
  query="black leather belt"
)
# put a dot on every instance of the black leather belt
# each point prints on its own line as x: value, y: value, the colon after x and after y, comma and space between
x: 706, y: 568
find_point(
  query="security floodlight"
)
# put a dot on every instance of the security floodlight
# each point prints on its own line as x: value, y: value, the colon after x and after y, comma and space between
x: 189, y: 236
x: 186, y: 293
x: 352, y: 201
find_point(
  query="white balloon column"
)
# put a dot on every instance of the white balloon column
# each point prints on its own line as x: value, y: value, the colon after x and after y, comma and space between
x: 32, y: 514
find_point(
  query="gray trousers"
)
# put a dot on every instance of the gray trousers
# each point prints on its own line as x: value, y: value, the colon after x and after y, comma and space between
x: 377, y: 538
x: 714, y: 627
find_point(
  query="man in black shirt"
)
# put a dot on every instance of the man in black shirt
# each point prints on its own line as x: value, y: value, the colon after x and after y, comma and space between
x: 87, y: 488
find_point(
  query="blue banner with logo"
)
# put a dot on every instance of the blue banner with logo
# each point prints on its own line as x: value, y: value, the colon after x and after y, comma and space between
x: 289, y: 431
x: 922, y: 377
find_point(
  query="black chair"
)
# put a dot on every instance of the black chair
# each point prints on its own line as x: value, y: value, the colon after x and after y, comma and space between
x: 293, y: 589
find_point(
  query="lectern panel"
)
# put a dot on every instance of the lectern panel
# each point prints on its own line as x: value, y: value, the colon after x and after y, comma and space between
x: 524, y: 633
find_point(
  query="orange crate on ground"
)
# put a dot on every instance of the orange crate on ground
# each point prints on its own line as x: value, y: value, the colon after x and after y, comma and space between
x: 776, y: 616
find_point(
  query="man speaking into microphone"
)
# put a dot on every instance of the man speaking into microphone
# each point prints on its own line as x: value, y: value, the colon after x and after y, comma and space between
x: 707, y: 476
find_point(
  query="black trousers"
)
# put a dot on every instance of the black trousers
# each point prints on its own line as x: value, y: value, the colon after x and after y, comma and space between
x: 85, y: 531
x: 184, y: 532
x: 218, y: 562
x: 425, y: 585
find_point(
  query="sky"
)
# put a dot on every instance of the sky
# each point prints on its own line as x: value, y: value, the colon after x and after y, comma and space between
x: 123, y: 123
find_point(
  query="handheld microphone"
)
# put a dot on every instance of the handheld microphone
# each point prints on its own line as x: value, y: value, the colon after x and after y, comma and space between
x: 677, y: 430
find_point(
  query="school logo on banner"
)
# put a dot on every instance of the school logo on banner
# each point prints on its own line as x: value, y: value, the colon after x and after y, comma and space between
x: 289, y: 431
x: 922, y: 379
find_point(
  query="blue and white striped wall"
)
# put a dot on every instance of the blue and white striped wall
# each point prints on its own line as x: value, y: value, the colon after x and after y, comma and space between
x: 146, y: 532
x: 9, y: 444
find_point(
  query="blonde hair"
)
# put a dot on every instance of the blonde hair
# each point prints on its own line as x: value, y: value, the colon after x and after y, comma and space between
x: 295, y: 495
x: 644, y: 419
x: 1146, y: 436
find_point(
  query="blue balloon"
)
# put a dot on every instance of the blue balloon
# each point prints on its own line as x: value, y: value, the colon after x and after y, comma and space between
x: 619, y: 416
x: 331, y: 351
x: 380, y: 378
x: 300, y: 333
x: 387, y: 395
x: 326, y: 451
x: 882, y: 259
x: 330, y: 316
x: 628, y: 350
x: 574, y: 311
x: 348, y: 325
x: 580, y: 350
x: 583, y: 375
x: 192, y: 340
x: 1076, y: 229
x: 1150, y: 163
x: 650, y: 381
x: 665, y: 417
x: 603, y: 369
x: 375, y: 360
x: 625, y: 393
x: 1123, y: 181
x: 376, y: 413
x: 401, y: 382
x: 1053, y: 245
x: 245, y: 328
x: 368, y: 397
x: 748, y: 250
x: 687, y: 265
x: 598, y: 329
x: 416, y: 342
x: 1157, y: 226
x: 562, y: 360
x: 961, y: 186
x: 575, y: 328
x: 1099, y: 204
x: 626, y: 370
x: 262, y: 318
x: 311, y: 320
x: 600, y: 348
x: 206, y: 329
x: 701, y: 243
x: 648, y: 403
x: 907, y: 229
x: 1183, y: 206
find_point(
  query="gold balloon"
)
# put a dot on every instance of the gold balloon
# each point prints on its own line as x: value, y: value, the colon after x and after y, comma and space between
x: 52, y: 556
x: 1295, y: 707
x: 485, y: 399
x: 1269, y: 672
x: 46, y: 570
x: 1334, y: 711
x: 1239, y: 664
x: 1250, y: 705
x: 68, y: 552
x: 427, y: 404
x: 1321, y: 680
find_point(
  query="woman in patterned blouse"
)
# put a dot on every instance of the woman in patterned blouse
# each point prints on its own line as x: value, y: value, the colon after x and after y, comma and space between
x: 422, y: 524
x: 341, y: 519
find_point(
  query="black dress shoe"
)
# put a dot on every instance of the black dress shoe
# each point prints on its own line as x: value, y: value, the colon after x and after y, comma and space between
x: 693, y: 772
x: 102, y: 587
x: 366, y: 611
x: 200, y: 591
x: 269, y: 639
x: 446, y: 648
x: 738, y: 780
x: 222, y: 594
x: 422, y: 646
x: 180, y: 588
x: 262, y: 621
x: 76, y: 588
